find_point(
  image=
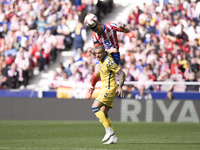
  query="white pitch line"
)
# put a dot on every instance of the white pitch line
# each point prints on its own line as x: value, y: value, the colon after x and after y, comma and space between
x: 95, y: 149
x: 32, y: 148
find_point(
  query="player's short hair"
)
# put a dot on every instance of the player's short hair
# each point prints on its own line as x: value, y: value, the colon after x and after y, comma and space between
x: 100, y: 47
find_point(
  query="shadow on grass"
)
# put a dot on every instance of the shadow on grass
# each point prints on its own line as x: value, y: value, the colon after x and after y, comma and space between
x: 165, y: 143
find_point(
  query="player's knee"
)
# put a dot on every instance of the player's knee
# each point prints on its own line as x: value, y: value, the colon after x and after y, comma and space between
x: 95, y: 109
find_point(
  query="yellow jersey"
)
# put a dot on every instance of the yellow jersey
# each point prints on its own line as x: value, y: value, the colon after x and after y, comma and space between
x: 108, y: 69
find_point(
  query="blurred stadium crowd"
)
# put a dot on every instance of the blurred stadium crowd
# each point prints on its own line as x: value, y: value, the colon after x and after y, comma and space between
x: 163, y: 44
x: 31, y: 32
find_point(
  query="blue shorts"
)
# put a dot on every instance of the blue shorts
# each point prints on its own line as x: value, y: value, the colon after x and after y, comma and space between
x: 116, y: 58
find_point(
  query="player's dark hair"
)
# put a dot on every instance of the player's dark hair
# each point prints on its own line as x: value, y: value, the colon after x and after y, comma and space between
x: 100, y: 47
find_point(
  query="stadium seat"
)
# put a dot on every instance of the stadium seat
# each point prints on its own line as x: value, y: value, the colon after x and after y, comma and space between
x: 179, y: 87
x: 60, y: 42
x: 176, y: 77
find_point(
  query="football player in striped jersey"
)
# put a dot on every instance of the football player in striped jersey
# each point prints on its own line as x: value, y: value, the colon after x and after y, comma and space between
x: 106, y: 35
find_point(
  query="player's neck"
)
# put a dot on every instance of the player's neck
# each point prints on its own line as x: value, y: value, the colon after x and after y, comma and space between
x: 104, y: 57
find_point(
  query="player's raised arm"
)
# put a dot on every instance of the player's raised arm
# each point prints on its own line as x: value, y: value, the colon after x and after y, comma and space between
x: 122, y: 77
x: 112, y: 50
x: 91, y: 51
x: 124, y: 28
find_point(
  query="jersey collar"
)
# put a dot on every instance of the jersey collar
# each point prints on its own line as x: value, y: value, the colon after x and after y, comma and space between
x: 104, y: 27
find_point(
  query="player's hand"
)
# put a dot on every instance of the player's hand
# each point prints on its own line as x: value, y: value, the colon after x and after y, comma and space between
x: 120, y: 92
x: 112, y: 50
x: 122, y: 26
x: 91, y: 51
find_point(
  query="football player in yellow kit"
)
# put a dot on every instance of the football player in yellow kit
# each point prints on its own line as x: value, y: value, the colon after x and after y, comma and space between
x: 109, y: 90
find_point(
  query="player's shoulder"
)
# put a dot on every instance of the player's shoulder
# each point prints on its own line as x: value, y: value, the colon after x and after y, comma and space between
x: 109, y: 58
x: 112, y: 24
x: 93, y: 34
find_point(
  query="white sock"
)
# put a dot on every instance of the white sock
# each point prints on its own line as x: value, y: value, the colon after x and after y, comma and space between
x: 109, y: 130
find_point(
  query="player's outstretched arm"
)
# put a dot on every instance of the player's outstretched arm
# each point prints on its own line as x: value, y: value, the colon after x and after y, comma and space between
x: 91, y: 51
x: 124, y: 28
x: 122, y: 77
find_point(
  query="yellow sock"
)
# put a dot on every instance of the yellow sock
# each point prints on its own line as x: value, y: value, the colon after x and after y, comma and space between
x: 101, y: 116
x: 110, y: 122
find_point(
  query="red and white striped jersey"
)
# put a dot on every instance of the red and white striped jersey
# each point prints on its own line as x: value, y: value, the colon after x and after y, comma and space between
x: 109, y: 37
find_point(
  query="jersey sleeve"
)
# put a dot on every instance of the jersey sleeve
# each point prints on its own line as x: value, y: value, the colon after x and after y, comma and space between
x: 115, y: 27
x: 95, y: 41
x: 111, y: 65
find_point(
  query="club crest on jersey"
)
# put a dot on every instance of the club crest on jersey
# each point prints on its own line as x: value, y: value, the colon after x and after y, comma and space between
x: 107, y: 44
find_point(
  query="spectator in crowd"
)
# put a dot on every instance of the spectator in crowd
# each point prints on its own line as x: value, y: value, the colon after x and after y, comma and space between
x: 139, y: 55
x: 1, y: 76
x: 195, y: 64
x: 145, y: 77
x: 84, y: 69
x: 174, y: 69
x: 163, y: 41
x: 165, y: 76
x: 63, y: 29
x: 38, y: 55
x: 4, y: 29
x: 143, y: 95
x: 66, y: 70
x: 129, y: 77
x: 16, y: 43
x: 51, y: 43
x: 88, y: 76
x: 80, y: 77
x: 192, y: 78
x: 41, y: 24
x: 12, y: 78
x: 71, y: 22
x: 29, y: 27
x: 10, y: 50
x: 134, y: 72
x: 187, y: 70
x: 164, y: 66
x: 55, y: 82
x: 92, y: 8
x: 23, y: 68
x: 169, y: 96
x: 140, y: 65
x: 170, y: 58
x: 79, y: 38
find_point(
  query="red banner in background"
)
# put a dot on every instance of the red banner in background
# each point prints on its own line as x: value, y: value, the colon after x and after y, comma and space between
x: 76, y: 90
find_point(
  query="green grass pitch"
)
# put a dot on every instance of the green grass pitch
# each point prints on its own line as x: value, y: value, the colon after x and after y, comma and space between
x: 87, y: 135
